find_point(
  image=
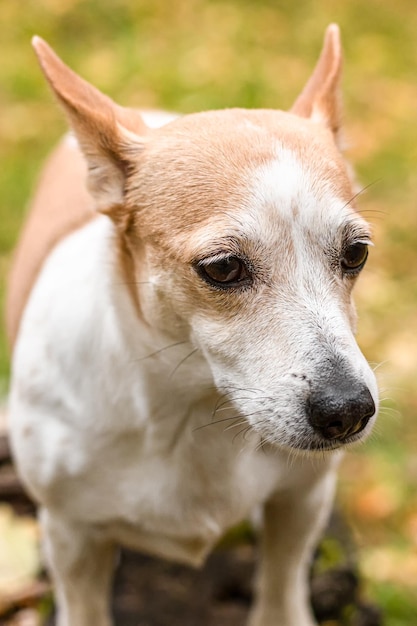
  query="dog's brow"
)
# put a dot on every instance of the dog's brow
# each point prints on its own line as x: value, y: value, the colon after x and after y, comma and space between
x: 354, y: 229
x: 220, y: 246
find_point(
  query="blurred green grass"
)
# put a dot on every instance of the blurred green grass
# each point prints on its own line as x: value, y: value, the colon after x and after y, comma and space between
x: 200, y: 54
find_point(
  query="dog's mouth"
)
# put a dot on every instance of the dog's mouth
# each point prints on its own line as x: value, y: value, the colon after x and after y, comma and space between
x: 322, y: 423
x: 310, y: 442
x: 329, y: 446
x: 306, y: 445
x: 356, y: 435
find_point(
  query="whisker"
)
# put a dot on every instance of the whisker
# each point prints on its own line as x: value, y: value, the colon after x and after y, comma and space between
x: 378, y: 365
x: 228, y: 419
x: 241, y: 423
x: 238, y: 398
x: 216, y: 405
x: 225, y: 408
x: 213, y: 423
x: 373, y: 212
x: 244, y: 430
x: 182, y: 361
x: 249, y: 389
x: 133, y: 282
x: 262, y: 443
x: 172, y: 345
x: 361, y: 191
x: 225, y: 402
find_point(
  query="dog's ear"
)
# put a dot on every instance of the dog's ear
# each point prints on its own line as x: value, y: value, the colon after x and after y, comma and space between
x: 109, y: 135
x: 320, y: 99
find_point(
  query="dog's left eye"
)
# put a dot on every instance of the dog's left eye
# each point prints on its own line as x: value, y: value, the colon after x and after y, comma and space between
x: 354, y: 258
x: 228, y: 272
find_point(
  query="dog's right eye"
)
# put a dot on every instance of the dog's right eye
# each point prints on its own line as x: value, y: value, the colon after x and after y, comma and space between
x: 227, y: 272
x: 354, y: 257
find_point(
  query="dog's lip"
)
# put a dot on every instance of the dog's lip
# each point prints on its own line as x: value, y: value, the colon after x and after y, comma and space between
x: 317, y: 444
x: 320, y: 446
x: 311, y: 446
x: 323, y: 445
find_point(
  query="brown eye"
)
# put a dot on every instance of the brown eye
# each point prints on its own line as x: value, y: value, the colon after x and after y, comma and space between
x: 354, y: 258
x: 227, y: 272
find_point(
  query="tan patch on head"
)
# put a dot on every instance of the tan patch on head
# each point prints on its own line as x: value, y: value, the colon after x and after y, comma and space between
x: 198, y: 168
x: 191, y: 194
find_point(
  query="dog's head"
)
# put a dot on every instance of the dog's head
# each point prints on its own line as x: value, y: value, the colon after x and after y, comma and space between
x: 242, y: 225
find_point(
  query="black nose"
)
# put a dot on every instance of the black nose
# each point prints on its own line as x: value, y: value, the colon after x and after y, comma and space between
x: 341, y: 409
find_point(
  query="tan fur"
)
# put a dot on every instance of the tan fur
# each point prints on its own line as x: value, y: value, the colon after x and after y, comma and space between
x: 235, y: 142
x: 320, y: 99
x: 61, y: 205
x: 211, y: 190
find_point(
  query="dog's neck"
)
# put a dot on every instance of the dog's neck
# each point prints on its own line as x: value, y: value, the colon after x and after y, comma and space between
x: 178, y: 388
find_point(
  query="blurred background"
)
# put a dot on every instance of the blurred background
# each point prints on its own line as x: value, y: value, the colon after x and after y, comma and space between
x: 191, y: 55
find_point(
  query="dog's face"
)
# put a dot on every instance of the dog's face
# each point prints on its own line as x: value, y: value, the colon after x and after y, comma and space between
x: 244, y: 238
x: 253, y: 246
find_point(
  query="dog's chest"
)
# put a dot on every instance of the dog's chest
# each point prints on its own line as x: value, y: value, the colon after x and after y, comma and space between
x: 101, y: 442
x: 175, y: 503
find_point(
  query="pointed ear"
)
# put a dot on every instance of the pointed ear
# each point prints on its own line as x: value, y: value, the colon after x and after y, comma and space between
x: 320, y: 99
x: 108, y: 134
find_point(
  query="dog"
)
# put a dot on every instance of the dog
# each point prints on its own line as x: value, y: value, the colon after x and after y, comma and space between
x: 182, y: 324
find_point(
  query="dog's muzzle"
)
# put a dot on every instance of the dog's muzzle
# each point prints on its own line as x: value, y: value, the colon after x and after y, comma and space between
x: 340, y: 409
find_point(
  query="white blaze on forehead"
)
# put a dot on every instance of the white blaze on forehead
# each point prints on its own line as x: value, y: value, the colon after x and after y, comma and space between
x: 287, y: 189
x: 297, y: 199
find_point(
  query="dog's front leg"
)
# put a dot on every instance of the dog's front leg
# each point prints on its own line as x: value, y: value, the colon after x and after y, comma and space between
x: 292, y: 523
x: 81, y: 565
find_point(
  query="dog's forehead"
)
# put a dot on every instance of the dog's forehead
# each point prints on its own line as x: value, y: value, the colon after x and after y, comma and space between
x: 210, y: 166
x: 313, y: 194
x: 243, y: 138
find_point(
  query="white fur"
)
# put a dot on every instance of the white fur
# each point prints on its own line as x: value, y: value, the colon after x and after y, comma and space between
x: 63, y: 436
x: 117, y: 425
